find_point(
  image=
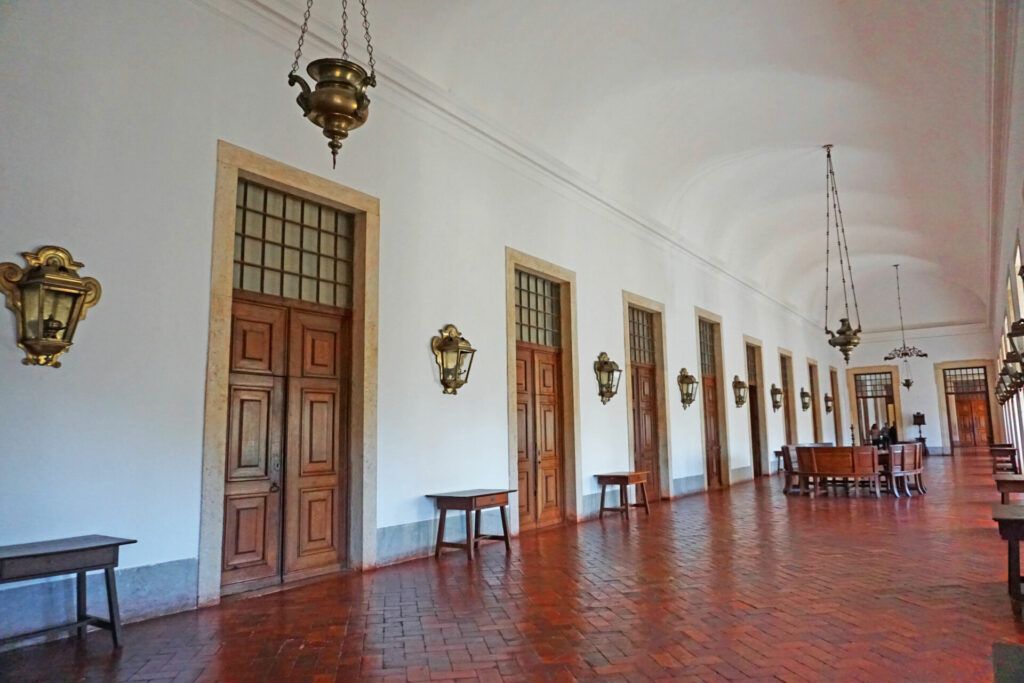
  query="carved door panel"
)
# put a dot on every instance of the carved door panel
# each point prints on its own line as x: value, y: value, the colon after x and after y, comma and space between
x: 964, y: 421
x: 982, y: 429
x: 539, y: 436
x: 314, y: 485
x: 712, y: 444
x: 645, y: 426
x: 253, y: 459
x: 754, y: 401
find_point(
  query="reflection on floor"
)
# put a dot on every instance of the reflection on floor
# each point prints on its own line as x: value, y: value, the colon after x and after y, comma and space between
x: 744, y: 583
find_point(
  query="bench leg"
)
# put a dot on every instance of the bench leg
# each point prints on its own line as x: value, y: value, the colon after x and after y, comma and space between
x: 504, y: 528
x: 440, y: 532
x: 1013, y: 574
x: 115, y: 610
x: 81, y: 600
x: 1004, y: 498
x: 906, y: 486
x: 601, y: 513
x: 920, y: 484
x: 469, y: 535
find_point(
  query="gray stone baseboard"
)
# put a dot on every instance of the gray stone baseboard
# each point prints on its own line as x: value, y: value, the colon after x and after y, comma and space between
x: 684, y: 486
x: 416, y: 539
x: 741, y: 474
x: 144, y: 593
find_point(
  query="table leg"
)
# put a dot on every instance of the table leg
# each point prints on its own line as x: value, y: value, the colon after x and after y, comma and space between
x: 115, y: 611
x: 624, y: 499
x: 504, y: 528
x: 81, y: 600
x: 469, y: 534
x: 478, y: 525
x: 601, y: 513
x: 1004, y: 498
x: 440, y: 532
x: 1013, y: 568
x: 643, y: 490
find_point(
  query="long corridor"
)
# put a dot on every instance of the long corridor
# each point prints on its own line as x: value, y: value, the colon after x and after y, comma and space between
x: 734, y: 585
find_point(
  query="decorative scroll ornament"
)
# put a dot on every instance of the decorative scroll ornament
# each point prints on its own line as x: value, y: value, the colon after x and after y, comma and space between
x: 846, y: 337
x: 48, y: 299
x: 339, y: 102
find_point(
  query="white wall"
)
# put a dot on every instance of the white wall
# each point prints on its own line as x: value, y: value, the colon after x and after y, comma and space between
x: 112, y: 115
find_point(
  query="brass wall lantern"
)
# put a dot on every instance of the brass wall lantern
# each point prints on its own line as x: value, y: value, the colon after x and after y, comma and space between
x: 687, y: 387
x: 776, y: 394
x: 339, y: 102
x: 739, y: 390
x: 48, y: 299
x: 454, y: 356
x: 608, y: 375
x: 1016, y: 335
x: 805, y: 399
x: 828, y: 403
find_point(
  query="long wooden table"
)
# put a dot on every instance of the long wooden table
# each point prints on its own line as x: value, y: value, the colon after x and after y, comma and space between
x: 76, y: 555
x: 473, y: 502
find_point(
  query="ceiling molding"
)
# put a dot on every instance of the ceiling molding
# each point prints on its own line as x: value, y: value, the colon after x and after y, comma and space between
x: 927, y: 332
x: 270, y: 19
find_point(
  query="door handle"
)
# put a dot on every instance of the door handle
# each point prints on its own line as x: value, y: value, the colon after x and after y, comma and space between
x: 274, y: 488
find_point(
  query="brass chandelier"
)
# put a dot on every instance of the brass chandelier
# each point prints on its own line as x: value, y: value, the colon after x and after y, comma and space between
x: 905, y: 352
x: 845, y: 338
x: 339, y: 102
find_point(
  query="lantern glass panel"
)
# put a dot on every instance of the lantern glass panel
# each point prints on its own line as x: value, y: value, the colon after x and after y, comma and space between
x: 465, y: 363
x: 60, y: 305
x: 32, y: 309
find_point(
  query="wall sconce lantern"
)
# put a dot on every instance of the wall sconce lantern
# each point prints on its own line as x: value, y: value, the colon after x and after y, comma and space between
x: 828, y: 403
x: 1016, y: 335
x: 805, y: 399
x: 608, y: 376
x: 48, y: 299
x: 687, y: 387
x: 739, y: 390
x: 454, y: 356
x: 776, y: 398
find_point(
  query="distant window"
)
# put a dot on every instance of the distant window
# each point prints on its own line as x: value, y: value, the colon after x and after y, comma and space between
x: 292, y: 247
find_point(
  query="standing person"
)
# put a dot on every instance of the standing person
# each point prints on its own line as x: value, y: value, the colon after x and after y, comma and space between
x: 875, y: 434
x: 884, y: 435
x: 893, y: 435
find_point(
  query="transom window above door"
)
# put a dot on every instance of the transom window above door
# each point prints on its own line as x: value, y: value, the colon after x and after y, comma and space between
x: 641, y: 336
x: 292, y: 247
x: 538, y: 310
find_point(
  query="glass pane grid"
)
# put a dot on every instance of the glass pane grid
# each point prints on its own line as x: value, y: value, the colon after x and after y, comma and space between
x: 965, y: 381
x: 538, y: 310
x: 641, y: 336
x: 873, y: 385
x: 291, y: 247
x: 707, y: 349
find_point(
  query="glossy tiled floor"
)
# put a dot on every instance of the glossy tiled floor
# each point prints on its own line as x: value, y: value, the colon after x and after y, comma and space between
x: 743, y: 584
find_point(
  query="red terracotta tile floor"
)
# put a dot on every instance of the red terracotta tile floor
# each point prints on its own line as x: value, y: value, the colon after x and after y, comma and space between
x: 743, y: 584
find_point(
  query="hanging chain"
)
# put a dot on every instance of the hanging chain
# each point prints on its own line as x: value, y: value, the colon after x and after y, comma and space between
x: 828, y: 237
x: 832, y: 188
x: 302, y: 37
x: 899, y: 301
x: 841, y: 227
x: 344, y: 29
x: 369, y: 43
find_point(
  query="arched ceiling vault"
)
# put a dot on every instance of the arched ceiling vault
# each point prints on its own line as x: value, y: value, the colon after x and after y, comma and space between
x: 710, y: 116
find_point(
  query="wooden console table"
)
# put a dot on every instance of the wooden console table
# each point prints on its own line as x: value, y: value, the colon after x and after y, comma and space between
x: 76, y: 555
x: 1007, y: 484
x: 472, y: 501
x: 623, y: 480
x: 1011, y: 528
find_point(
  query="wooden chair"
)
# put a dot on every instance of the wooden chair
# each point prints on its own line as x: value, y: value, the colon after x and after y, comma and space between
x: 893, y: 471
x: 790, y: 478
x: 916, y: 471
x: 866, y: 468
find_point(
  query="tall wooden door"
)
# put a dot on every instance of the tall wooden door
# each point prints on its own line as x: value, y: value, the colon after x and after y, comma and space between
x: 788, y: 409
x: 645, y: 425
x: 837, y: 418
x: 539, y: 435
x: 972, y: 420
x: 812, y: 373
x: 285, y: 475
x: 709, y: 390
x: 755, y: 406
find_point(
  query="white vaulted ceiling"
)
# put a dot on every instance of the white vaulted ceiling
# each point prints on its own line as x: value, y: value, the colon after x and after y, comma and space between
x: 706, y: 118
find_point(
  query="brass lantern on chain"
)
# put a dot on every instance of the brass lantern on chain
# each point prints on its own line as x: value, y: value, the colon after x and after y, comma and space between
x: 687, y: 387
x: 739, y: 391
x: 608, y: 376
x: 846, y: 337
x: 776, y: 394
x: 48, y: 299
x: 454, y: 356
x: 339, y: 102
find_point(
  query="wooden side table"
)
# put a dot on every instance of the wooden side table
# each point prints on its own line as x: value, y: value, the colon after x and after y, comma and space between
x: 1011, y: 528
x: 1007, y: 484
x: 76, y: 555
x: 623, y: 480
x: 472, y: 501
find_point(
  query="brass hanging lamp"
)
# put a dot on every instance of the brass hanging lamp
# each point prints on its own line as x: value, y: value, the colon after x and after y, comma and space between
x: 904, y: 352
x: 845, y: 338
x: 339, y: 102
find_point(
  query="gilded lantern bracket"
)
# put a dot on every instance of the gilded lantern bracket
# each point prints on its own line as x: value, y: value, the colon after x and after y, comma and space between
x: 48, y: 299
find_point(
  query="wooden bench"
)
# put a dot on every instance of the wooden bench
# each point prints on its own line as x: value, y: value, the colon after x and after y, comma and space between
x: 1004, y: 459
x: 76, y: 555
x: 1011, y: 529
x: 1007, y: 484
x: 819, y: 465
x: 790, y: 477
x: 473, y: 502
x: 623, y: 480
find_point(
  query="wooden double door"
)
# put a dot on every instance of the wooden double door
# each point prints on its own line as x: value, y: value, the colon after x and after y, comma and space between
x: 973, y: 427
x: 646, y: 453
x: 286, y: 471
x: 539, y: 436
